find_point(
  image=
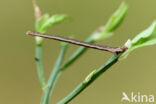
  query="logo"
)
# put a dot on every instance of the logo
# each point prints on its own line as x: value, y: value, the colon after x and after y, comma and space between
x: 137, y: 98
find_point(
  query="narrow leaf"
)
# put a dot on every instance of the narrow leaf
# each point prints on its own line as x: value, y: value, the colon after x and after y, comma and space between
x: 114, y: 22
x: 55, y: 19
x: 40, y: 22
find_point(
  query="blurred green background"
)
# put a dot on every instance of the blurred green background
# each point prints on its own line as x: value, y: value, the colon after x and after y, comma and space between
x: 18, y: 77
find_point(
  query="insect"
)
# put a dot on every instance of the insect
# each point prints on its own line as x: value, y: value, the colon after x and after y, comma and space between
x: 78, y: 42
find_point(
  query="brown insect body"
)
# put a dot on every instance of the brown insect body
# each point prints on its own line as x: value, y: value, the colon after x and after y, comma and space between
x: 77, y: 42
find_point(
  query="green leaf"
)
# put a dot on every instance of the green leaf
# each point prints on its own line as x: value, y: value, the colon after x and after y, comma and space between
x: 40, y: 22
x: 55, y: 19
x: 38, y: 26
x: 116, y: 18
x: 145, y: 38
x: 114, y: 22
x: 45, y: 21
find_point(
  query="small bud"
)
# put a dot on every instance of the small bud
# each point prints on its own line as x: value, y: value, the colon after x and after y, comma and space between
x: 39, y: 40
x: 128, y: 44
x: 89, y: 77
x: 37, y: 11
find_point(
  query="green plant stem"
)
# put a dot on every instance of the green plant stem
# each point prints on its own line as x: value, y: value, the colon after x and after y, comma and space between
x: 39, y: 63
x: 53, y: 77
x: 76, y: 55
x: 92, y: 77
x: 58, y: 70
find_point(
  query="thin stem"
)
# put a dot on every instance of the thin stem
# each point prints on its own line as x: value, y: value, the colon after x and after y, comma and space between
x: 38, y: 58
x: 89, y: 79
x: 76, y: 55
x: 39, y: 63
x: 53, y: 77
x: 57, y: 70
